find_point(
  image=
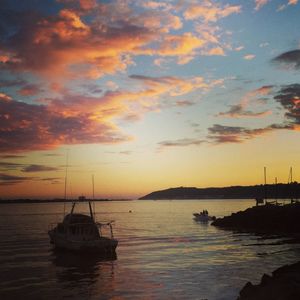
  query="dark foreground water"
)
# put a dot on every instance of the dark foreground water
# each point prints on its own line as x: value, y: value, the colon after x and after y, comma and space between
x: 162, y: 254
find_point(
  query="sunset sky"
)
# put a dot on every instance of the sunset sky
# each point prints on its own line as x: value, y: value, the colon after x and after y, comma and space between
x: 147, y: 95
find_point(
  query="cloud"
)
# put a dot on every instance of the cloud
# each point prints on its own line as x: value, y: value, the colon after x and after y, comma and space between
x: 179, y: 45
x: 284, y: 6
x: 11, y: 156
x: 240, y: 110
x: 52, y: 180
x: 240, y: 48
x: 6, y: 179
x: 249, y: 56
x: 29, y: 90
x: 289, y: 98
x: 156, y: 5
x: 81, y: 119
x: 260, y: 3
x: 26, y: 127
x: 92, y: 39
x: 12, y: 83
x: 5, y: 98
x: 181, y: 143
x: 214, y: 51
x: 126, y: 152
x: 52, y: 154
x: 184, y: 103
x: 38, y: 168
x: 63, y: 44
x: 210, y: 11
x: 291, y: 59
x: 175, y: 86
x: 7, y: 166
x: 220, y: 134
x: 265, y: 44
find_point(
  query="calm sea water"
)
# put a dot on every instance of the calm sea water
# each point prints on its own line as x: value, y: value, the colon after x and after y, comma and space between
x: 162, y: 254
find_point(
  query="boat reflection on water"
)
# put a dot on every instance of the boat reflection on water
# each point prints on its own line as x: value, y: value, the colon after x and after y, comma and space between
x: 82, y: 271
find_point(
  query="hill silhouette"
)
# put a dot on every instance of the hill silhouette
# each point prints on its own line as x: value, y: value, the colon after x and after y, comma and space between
x: 270, y: 191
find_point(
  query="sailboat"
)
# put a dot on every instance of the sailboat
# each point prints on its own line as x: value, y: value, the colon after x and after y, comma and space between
x: 81, y: 232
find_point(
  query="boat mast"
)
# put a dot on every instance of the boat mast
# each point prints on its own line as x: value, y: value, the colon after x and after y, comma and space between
x: 291, y: 183
x: 66, y: 176
x: 94, y: 197
x: 90, y: 206
x: 265, y: 186
x: 276, y: 190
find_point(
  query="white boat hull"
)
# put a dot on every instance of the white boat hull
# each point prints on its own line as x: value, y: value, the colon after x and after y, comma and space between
x: 203, y: 218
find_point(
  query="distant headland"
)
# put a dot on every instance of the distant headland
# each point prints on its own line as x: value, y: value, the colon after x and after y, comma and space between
x: 23, y: 200
x: 271, y: 191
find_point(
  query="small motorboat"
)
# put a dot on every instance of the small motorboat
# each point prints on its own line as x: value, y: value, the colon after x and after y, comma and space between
x: 80, y: 232
x: 203, y: 216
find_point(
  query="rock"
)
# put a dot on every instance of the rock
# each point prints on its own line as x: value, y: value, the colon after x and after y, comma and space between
x: 284, y: 284
x: 264, y: 219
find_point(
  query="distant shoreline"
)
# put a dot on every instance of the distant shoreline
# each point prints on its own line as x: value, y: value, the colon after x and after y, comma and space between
x: 268, y: 191
x: 18, y: 201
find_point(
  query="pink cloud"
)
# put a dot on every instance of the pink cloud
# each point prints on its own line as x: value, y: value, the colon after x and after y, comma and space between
x: 26, y: 127
x: 260, y: 3
x: 29, y: 90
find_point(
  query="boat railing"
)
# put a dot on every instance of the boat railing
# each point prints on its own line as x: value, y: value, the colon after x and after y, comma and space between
x: 109, y: 224
x: 51, y: 226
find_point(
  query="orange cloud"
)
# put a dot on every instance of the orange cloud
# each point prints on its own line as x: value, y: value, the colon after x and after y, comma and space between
x: 210, y: 11
x: 4, y: 97
x: 92, y: 39
x: 174, y: 45
x: 215, y: 51
x: 52, y: 45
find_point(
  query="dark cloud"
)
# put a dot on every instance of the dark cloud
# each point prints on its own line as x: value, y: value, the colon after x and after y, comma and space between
x: 181, y: 143
x: 220, y: 134
x: 52, y: 154
x: 39, y: 168
x: 11, y: 156
x: 185, y: 103
x: 10, y: 166
x: 238, y: 110
x: 289, y: 98
x: 233, y: 134
x: 12, y: 83
x: 290, y: 59
x: 52, y: 180
x: 6, y: 179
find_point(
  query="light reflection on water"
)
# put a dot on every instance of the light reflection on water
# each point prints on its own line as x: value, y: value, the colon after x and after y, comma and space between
x: 162, y: 254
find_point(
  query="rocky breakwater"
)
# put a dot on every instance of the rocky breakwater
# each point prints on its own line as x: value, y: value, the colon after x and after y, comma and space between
x: 273, y: 219
x: 284, y: 284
